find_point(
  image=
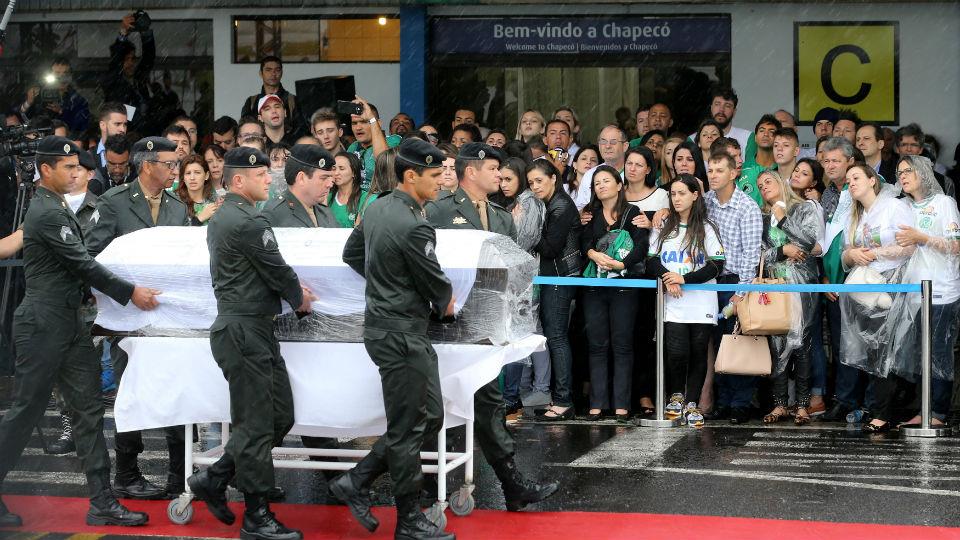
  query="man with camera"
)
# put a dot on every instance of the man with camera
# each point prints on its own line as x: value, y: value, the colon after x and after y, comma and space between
x: 56, y: 97
x: 127, y: 80
x: 371, y: 141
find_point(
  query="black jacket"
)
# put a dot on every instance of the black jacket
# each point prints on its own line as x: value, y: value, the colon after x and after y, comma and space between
x: 598, y: 228
x: 559, y: 246
x: 135, y: 91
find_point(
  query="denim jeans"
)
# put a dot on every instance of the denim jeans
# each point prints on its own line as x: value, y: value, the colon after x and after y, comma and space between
x: 818, y: 353
x: 734, y: 391
x: 512, y: 374
x: 555, y: 316
x: 851, y: 383
x: 535, y: 378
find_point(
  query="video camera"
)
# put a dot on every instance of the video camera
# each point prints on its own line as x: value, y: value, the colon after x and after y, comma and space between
x: 21, y: 142
x: 141, y: 21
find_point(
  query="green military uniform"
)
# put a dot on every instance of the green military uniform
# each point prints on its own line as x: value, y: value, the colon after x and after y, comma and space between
x: 250, y: 278
x: 287, y: 211
x: 86, y: 211
x: 124, y: 209
x: 53, y: 343
x: 393, y: 248
x: 457, y: 211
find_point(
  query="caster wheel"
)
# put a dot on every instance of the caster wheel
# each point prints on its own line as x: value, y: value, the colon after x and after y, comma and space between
x: 177, y: 516
x: 437, y: 516
x: 462, y: 503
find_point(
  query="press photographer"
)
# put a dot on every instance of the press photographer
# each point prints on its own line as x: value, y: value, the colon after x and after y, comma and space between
x: 127, y: 79
x: 55, y: 96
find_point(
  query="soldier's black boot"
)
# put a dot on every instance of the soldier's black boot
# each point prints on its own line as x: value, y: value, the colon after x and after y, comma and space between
x: 517, y: 490
x: 8, y: 518
x: 106, y: 510
x: 356, y: 499
x: 213, y: 491
x: 65, y: 444
x: 259, y: 523
x: 413, y: 525
x: 129, y: 482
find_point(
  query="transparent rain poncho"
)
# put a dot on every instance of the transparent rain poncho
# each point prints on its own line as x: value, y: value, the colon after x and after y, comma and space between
x: 802, y: 227
x: 938, y: 260
x: 867, y: 319
x: 528, y: 215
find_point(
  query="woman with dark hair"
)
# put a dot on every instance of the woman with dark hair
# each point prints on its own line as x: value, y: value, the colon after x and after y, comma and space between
x: 449, y: 180
x: 686, y: 250
x: 708, y: 132
x: 497, y: 138
x: 346, y: 200
x: 213, y: 155
x: 616, y: 248
x: 586, y: 158
x: 559, y: 251
x: 640, y: 173
x: 196, y: 190
x: 807, y: 179
x: 654, y: 140
x: 688, y: 159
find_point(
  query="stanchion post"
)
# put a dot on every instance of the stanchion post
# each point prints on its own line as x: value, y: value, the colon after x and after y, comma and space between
x: 659, y: 421
x: 925, y: 429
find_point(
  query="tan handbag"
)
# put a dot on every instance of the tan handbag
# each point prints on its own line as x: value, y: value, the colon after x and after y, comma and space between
x: 743, y: 355
x: 765, y: 313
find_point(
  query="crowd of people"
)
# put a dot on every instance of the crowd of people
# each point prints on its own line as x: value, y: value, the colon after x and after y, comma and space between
x: 727, y: 205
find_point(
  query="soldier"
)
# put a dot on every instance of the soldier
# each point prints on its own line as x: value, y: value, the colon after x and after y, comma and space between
x: 124, y: 209
x: 250, y: 278
x: 478, y: 169
x: 393, y: 248
x: 53, y: 342
x: 309, y: 173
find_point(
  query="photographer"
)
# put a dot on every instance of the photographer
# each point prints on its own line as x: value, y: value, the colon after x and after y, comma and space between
x: 127, y: 80
x: 57, y: 97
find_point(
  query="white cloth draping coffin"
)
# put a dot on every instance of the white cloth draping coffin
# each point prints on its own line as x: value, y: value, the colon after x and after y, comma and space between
x: 175, y: 261
x: 336, y: 387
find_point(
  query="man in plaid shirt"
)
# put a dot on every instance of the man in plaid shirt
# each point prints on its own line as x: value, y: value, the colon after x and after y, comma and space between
x: 738, y: 218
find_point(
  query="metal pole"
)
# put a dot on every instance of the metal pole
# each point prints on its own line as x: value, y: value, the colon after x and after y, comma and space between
x: 659, y: 421
x: 925, y: 429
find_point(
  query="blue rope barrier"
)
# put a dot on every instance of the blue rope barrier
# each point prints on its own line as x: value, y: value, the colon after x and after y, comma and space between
x: 652, y: 284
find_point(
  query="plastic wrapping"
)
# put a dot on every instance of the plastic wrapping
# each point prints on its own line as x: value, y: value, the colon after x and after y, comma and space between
x: 528, y: 215
x: 491, y: 276
x: 802, y: 227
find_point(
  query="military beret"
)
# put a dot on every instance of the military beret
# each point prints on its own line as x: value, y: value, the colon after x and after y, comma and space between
x: 244, y: 157
x: 312, y: 155
x: 827, y: 113
x: 57, y: 146
x: 420, y: 153
x: 477, y: 151
x: 154, y: 144
x: 88, y: 160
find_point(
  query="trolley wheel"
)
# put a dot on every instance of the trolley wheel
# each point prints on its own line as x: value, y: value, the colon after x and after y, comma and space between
x: 178, y: 517
x: 462, y: 503
x: 436, y: 515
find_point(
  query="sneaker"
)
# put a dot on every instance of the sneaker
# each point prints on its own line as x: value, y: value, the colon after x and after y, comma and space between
x: 695, y: 418
x: 514, y: 417
x: 674, y: 408
x: 858, y: 416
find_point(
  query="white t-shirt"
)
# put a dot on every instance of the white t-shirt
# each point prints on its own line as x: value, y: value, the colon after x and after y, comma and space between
x: 694, y: 306
x: 741, y: 135
x: 939, y: 218
x: 878, y: 227
x: 658, y: 200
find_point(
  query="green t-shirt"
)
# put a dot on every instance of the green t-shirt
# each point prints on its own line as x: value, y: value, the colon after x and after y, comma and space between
x: 748, y: 181
x: 343, y: 216
x: 368, y: 160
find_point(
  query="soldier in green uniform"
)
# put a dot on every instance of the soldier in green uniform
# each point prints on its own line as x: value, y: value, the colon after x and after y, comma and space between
x: 53, y: 341
x: 309, y: 176
x: 478, y: 169
x: 393, y: 248
x: 120, y: 210
x: 250, y: 278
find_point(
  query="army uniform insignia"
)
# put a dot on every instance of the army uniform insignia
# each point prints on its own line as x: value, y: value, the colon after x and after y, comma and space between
x: 459, y: 220
x: 149, y: 146
x: 428, y: 249
x: 66, y: 149
x: 322, y: 163
x: 253, y: 159
x: 428, y: 160
x: 95, y: 217
x: 65, y: 232
x: 267, y: 238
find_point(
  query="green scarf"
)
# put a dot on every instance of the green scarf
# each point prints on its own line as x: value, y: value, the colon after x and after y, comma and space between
x: 619, y: 245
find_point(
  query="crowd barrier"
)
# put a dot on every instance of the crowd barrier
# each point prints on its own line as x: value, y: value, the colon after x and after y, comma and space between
x: 925, y: 288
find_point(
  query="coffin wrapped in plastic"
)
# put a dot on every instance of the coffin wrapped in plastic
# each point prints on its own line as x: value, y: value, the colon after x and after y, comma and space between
x: 492, y: 281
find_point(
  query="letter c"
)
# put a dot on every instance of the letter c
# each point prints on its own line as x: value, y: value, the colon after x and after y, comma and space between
x: 826, y: 74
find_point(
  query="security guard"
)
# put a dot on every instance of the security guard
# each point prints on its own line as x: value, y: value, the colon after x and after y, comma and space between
x: 250, y: 278
x: 52, y: 340
x: 309, y: 175
x: 478, y: 169
x: 393, y: 248
x: 124, y: 209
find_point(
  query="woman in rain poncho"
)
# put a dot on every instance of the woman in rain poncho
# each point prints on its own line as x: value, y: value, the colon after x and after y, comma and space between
x: 791, y: 229
x: 936, y: 235
x: 871, y: 253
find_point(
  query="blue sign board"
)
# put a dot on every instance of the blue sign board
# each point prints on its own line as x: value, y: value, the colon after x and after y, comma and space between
x: 580, y: 35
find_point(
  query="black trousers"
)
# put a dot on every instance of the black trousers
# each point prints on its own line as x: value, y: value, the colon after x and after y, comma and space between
x: 685, y: 367
x: 610, y: 314
x: 261, y: 402
x: 54, y: 347
x: 414, y: 407
x: 644, y: 346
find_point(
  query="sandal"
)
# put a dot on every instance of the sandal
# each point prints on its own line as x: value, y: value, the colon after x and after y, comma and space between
x: 801, y: 417
x: 646, y: 411
x: 775, y: 416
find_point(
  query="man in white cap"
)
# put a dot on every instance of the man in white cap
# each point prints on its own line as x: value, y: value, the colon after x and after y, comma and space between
x: 272, y: 114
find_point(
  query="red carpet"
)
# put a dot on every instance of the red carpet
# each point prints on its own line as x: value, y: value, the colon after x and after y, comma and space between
x: 66, y: 515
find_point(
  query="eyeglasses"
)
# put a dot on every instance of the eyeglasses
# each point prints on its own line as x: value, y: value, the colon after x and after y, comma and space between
x: 910, y: 145
x: 605, y: 142
x: 903, y: 172
x: 171, y: 165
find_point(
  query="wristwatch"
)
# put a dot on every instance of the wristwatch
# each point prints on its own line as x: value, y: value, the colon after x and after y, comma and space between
x: 373, y: 120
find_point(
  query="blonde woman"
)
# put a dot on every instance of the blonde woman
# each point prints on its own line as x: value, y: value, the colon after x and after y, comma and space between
x: 530, y: 126
x: 791, y: 227
x: 665, y: 173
